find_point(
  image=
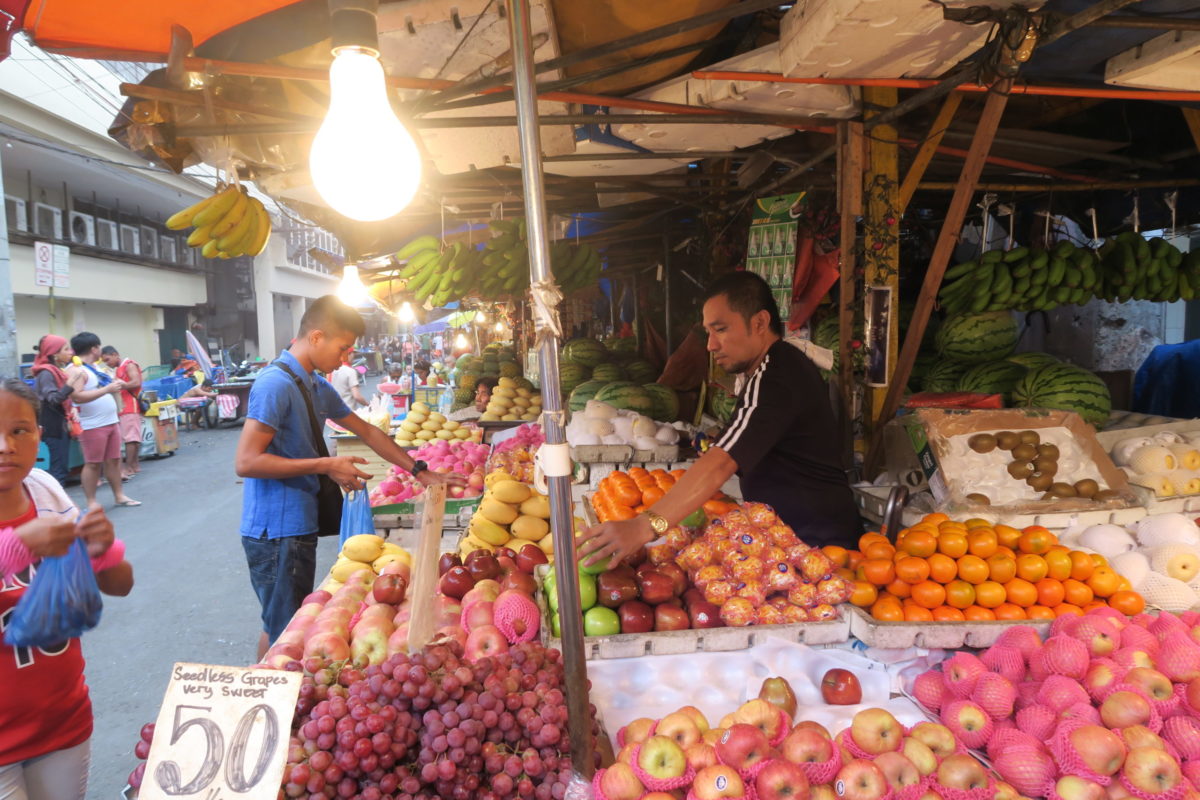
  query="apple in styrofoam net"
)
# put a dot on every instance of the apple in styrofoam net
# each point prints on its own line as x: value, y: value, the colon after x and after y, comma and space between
x: 860, y: 779
x: 876, y: 731
x: 1072, y: 787
x: 898, y: 769
x: 961, y: 771
x: 718, y: 782
x: 662, y: 758
x: 1151, y: 770
x: 620, y: 783
x: 781, y: 780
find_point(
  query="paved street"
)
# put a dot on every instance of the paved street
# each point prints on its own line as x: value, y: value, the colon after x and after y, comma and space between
x: 191, y: 600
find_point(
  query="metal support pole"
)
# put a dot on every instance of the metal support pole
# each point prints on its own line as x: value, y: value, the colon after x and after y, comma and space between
x: 562, y: 522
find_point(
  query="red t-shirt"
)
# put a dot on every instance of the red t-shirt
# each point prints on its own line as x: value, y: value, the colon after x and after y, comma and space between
x: 44, y: 705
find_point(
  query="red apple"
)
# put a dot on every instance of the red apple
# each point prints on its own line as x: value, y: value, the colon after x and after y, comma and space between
x: 529, y: 557
x: 637, y: 731
x: 1151, y: 681
x: 679, y: 579
x: 680, y: 727
x: 960, y: 771
x: 389, y: 589
x: 898, y: 769
x: 840, y: 687
x: 781, y: 780
x: 1072, y: 787
x: 615, y: 588
x: 485, y: 641
x: 507, y: 564
x: 860, y: 780
x: 635, y: 617
x: 806, y: 745
x: 701, y: 755
x: 1151, y: 770
x: 518, y: 581
x: 620, y: 783
x: 704, y: 614
x: 1124, y: 708
x: 320, y: 596
x: 670, y: 618
x: 456, y: 582
x: 506, y: 552
x: 655, y: 587
x: 483, y: 567
x: 742, y: 746
x: 448, y: 560
x: 876, y: 731
x: 1100, y: 749
x: 718, y: 782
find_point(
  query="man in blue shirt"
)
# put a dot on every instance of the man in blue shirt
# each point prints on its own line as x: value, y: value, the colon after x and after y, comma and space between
x: 280, y: 459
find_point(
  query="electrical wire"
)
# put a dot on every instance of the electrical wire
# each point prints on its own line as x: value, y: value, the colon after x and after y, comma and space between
x: 463, y: 41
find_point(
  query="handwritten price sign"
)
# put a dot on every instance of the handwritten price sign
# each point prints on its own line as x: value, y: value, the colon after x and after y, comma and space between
x: 222, y: 733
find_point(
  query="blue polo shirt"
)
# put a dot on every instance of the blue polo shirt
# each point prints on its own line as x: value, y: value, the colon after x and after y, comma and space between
x: 287, y: 507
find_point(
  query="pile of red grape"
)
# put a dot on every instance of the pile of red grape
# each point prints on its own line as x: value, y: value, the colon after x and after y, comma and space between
x: 433, y: 725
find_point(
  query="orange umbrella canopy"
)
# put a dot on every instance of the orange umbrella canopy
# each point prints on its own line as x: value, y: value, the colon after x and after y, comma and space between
x: 93, y: 28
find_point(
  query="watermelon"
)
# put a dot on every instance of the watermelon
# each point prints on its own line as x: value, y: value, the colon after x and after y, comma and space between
x: 585, y: 352
x: 640, y: 371
x: 523, y: 383
x: 623, y: 394
x: 582, y: 393
x: 944, y: 376
x: 463, y: 362
x: 571, y: 375
x: 509, y: 369
x: 608, y: 373
x: 1033, y: 360
x: 994, y: 377
x: 721, y: 404
x: 978, y: 338
x: 1065, y: 387
x: 825, y: 334
x: 666, y: 402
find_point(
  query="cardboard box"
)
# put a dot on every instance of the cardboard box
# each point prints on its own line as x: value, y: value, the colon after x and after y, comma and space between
x: 928, y: 433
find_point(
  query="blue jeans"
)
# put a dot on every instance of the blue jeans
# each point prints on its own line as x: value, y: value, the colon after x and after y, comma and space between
x: 282, y: 572
x: 60, y: 452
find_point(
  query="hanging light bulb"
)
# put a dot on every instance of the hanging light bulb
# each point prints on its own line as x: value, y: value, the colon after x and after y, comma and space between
x: 499, y: 327
x: 460, y: 341
x: 405, y: 314
x: 351, y: 290
x: 480, y: 317
x: 364, y: 162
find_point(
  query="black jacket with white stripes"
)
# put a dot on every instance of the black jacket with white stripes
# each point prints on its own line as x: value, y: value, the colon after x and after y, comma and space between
x: 783, y: 436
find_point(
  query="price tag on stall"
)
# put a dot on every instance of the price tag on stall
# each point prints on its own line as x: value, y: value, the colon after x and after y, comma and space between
x: 222, y: 733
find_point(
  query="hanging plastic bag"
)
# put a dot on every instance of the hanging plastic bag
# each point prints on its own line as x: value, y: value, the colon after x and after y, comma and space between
x: 62, y: 602
x: 356, y: 515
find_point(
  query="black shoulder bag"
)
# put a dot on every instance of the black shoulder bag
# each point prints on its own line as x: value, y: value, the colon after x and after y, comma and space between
x: 329, y: 494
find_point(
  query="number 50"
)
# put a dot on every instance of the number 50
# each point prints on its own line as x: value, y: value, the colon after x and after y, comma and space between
x: 167, y: 773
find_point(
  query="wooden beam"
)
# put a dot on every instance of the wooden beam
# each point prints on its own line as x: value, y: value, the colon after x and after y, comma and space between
x: 1192, y: 117
x: 1170, y: 183
x: 960, y: 203
x: 881, y: 226
x: 927, y: 150
x: 850, y: 181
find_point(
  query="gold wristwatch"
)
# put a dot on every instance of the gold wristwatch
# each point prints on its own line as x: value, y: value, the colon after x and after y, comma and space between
x: 658, y: 523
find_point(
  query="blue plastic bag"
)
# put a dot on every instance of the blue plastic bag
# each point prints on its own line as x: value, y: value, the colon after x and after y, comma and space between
x: 62, y: 602
x: 356, y: 515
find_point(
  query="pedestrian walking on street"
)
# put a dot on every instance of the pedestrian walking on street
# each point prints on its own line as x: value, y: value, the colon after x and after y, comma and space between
x: 45, y: 708
x: 54, y: 391
x: 291, y: 492
x: 97, y: 396
x: 130, y: 417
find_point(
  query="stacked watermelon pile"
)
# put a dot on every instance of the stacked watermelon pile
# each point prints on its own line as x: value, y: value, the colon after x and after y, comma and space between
x: 975, y: 354
x: 590, y: 371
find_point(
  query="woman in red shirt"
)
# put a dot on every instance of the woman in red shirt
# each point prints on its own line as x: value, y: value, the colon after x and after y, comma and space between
x: 45, y: 711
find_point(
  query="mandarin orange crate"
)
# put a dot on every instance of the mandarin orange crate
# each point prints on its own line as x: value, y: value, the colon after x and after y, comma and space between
x: 945, y: 583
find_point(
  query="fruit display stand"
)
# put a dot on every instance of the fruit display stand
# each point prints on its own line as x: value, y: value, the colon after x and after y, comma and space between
x: 1168, y: 434
x: 931, y: 635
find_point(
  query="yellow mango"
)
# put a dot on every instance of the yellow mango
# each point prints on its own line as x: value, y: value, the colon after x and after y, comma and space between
x: 513, y: 492
x: 498, y: 512
x: 547, y: 544
x: 538, y: 505
x: 365, y: 547
x: 342, y: 570
x: 495, y: 476
x: 484, y: 529
x: 529, y: 528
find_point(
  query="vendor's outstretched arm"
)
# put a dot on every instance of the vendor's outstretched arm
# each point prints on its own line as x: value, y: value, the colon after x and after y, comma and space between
x: 612, y: 541
x: 386, y: 446
x: 253, y: 460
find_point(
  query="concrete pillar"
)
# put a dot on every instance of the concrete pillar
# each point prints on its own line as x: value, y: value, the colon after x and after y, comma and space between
x: 9, y: 360
x: 264, y: 303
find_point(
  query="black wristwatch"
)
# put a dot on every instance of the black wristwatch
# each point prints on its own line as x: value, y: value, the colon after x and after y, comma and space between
x: 418, y: 467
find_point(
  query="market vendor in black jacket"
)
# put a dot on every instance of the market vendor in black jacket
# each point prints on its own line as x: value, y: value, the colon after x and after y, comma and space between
x: 782, y: 440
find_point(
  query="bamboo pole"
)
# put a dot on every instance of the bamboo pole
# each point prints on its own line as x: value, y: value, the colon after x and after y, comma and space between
x: 850, y: 185
x: 985, y: 131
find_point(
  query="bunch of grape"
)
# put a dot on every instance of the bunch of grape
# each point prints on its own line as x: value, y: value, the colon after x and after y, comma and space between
x: 432, y: 725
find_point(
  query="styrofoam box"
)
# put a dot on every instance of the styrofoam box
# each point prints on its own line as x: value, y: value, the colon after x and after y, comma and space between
x: 834, y: 102
x: 1155, y: 505
x: 878, y: 38
x: 943, y: 635
x: 1170, y: 61
x: 416, y: 38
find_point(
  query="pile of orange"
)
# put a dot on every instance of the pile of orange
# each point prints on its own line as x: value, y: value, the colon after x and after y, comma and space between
x: 943, y: 570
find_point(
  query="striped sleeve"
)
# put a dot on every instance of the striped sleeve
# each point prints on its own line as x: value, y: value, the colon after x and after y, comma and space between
x: 765, y: 412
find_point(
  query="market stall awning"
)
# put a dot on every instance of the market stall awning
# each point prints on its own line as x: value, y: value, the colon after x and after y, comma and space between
x: 92, y: 28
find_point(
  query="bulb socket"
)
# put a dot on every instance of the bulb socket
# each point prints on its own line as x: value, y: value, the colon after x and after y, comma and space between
x: 352, y: 23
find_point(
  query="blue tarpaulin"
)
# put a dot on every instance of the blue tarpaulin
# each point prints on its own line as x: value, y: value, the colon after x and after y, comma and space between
x: 1168, y: 382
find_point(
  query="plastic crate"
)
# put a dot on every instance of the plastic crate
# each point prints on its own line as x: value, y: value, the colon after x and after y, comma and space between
x: 429, y: 395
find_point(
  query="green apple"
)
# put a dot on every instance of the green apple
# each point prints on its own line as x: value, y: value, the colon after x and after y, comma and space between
x: 551, y: 595
x: 601, y: 621
x: 587, y: 590
x: 594, y: 569
x: 555, y: 626
x: 696, y: 519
